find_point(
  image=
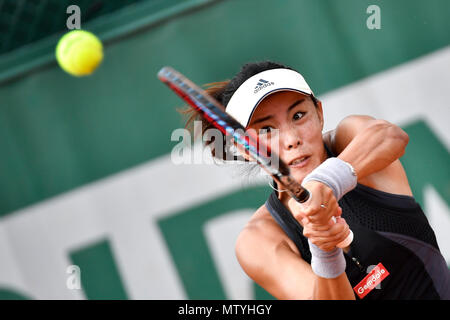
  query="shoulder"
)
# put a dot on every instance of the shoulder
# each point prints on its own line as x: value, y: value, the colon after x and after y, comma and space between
x: 260, y: 239
x: 271, y: 259
x: 262, y: 228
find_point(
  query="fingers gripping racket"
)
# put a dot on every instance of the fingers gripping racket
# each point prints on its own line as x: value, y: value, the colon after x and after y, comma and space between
x: 215, y: 113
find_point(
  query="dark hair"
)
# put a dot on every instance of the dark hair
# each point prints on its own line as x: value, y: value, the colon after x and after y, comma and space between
x: 222, y: 92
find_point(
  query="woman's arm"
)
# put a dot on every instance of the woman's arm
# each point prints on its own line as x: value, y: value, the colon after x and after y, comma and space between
x: 370, y: 145
x: 272, y: 260
x: 373, y: 148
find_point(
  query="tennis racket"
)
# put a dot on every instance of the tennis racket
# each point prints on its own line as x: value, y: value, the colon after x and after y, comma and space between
x: 215, y: 113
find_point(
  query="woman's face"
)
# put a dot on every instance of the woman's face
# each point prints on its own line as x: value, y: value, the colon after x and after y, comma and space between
x: 299, y: 125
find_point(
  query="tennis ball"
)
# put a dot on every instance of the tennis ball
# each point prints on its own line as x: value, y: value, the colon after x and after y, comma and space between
x: 79, y: 52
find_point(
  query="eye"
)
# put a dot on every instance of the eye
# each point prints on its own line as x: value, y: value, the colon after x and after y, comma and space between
x: 298, y: 115
x: 265, y: 130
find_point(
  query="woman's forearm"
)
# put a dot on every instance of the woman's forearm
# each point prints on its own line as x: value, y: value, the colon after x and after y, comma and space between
x: 333, y: 289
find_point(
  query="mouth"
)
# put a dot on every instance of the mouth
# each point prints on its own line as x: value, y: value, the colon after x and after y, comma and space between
x: 299, y: 162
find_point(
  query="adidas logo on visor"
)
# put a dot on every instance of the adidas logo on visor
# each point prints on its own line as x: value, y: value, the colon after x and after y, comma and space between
x: 262, y: 84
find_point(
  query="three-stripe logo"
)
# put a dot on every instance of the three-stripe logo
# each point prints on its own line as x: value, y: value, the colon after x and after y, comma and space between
x: 262, y: 84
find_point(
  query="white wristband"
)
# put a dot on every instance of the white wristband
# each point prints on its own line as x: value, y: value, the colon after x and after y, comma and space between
x: 336, y: 174
x: 327, y: 264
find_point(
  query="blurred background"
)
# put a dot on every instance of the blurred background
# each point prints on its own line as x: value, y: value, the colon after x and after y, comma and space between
x: 86, y: 177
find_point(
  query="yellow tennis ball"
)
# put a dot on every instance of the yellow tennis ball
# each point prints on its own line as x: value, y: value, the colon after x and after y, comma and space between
x: 79, y: 52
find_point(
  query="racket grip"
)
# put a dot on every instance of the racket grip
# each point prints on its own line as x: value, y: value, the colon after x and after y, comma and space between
x: 347, y: 240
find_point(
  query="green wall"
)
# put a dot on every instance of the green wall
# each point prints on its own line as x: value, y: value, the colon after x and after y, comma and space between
x: 58, y: 132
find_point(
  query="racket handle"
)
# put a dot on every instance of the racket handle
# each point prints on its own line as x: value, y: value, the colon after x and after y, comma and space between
x: 347, y: 240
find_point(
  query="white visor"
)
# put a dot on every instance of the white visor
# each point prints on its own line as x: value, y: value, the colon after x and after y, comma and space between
x: 249, y: 95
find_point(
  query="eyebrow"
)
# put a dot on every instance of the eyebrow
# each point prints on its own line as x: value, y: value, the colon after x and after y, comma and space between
x: 289, y: 109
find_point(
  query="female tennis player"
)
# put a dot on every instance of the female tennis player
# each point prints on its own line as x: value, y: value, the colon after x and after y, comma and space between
x: 354, y: 174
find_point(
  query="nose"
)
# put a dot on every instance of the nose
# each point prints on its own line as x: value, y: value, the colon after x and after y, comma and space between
x: 294, y: 144
x: 291, y: 139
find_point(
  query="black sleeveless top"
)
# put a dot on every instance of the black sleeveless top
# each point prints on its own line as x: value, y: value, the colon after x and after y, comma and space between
x: 388, y: 228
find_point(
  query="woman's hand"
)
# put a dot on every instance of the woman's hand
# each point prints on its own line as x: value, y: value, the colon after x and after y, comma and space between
x: 327, y: 237
x: 320, y: 207
x: 316, y: 217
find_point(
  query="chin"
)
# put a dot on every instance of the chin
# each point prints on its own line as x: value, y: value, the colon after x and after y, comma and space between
x: 300, y: 173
